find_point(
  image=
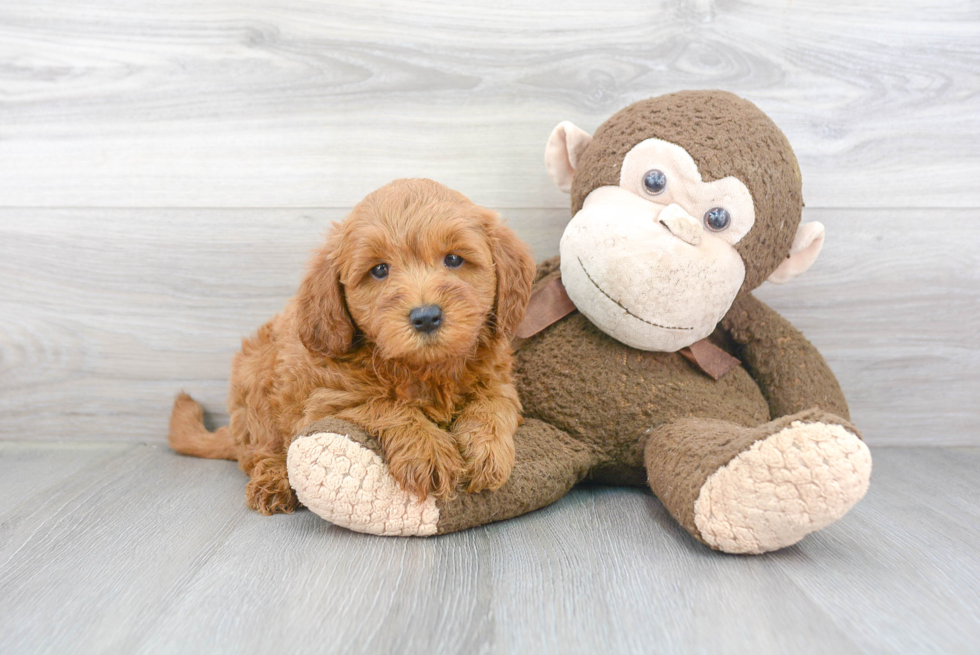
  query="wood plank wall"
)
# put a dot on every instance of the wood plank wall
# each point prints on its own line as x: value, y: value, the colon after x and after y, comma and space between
x: 166, y: 167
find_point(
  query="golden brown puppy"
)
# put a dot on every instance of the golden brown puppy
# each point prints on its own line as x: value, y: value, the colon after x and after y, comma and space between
x: 403, y: 326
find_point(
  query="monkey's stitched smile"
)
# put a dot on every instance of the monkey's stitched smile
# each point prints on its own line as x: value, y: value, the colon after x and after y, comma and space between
x: 620, y: 305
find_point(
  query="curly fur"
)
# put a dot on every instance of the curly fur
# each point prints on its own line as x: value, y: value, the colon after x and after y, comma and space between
x: 442, y: 405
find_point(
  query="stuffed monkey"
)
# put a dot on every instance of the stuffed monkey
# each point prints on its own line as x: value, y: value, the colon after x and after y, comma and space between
x: 644, y: 358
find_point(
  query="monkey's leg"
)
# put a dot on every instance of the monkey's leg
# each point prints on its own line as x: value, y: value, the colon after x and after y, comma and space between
x: 754, y: 490
x: 338, y: 472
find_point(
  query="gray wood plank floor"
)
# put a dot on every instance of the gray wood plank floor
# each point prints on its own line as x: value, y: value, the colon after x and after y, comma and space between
x: 132, y: 549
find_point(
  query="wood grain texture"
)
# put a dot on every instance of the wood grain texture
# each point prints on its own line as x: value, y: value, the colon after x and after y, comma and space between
x: 302, y: 103
x: 893, y: 304
x: 105, y: 314
x: 906, y: 562
x: 29, y: 470
x: 155, y: 553
x: 109, y: 548
x: 552, y: 582
x: 641, y: 584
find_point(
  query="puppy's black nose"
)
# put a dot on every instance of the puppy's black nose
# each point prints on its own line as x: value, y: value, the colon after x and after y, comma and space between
x: 426, y: 318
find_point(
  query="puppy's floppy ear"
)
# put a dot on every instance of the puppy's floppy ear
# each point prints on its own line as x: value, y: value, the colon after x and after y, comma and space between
x: 325, y: 326
x: 515, y: 268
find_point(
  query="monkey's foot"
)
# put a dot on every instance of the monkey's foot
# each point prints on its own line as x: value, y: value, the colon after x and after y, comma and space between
x: 785, y: 486
x: 348, y: 484
x: 337, y: 471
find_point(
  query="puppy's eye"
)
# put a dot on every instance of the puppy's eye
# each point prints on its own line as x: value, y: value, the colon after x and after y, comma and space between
x: 717, y: 219
x: 379, y: 272
x: 453, y: 261
x: 654, y: 182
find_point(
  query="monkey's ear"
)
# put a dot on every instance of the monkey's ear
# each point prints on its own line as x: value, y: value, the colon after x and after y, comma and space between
x: 515, y: 269
x: 323, y: 322
x: 806, y: 246
x: 565, y: 145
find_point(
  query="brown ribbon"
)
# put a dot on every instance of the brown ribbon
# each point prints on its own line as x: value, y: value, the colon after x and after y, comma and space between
x: 709, y: 358
x: 550, y: 303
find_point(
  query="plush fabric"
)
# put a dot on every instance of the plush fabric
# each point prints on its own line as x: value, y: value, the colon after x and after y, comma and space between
x: 748, y: 459
x: 337, y: 471
x: 783, y: 487
x: 743, y: 143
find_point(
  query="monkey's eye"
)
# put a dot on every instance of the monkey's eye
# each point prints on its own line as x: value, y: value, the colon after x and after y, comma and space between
x: 453, y: 261
x: 717, y: 219
x: 379, y: 272
x: 655, y: 182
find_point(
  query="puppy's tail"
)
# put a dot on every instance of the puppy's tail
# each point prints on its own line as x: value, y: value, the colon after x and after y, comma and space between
x: 188, y: 436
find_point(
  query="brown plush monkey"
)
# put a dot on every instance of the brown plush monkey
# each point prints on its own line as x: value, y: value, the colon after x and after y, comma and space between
x: 670, y: 373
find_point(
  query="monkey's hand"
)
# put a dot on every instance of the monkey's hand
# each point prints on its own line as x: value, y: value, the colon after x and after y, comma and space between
x: 790, y: 371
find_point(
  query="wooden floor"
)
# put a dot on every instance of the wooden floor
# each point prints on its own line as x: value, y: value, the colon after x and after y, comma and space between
x: 129, y: 548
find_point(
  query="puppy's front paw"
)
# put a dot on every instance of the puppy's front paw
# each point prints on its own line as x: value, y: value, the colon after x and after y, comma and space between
x: 489, y: 458
x: 491, y: 473
x: 425, y: 463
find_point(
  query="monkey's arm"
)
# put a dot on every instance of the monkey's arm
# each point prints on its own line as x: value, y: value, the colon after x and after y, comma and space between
x: 791, y: 373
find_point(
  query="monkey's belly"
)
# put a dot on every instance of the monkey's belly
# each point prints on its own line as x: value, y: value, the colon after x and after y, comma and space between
x: 607, y: 394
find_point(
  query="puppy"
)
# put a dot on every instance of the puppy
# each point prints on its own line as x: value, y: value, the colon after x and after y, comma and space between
x: 403, y: 326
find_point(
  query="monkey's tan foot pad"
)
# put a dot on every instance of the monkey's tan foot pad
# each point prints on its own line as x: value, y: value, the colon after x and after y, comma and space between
x: 782, y: 488
x: 345, y: 483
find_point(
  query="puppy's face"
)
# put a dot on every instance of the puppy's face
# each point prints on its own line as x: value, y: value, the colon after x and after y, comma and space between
x: 419, y: 281
x: 420, y: 271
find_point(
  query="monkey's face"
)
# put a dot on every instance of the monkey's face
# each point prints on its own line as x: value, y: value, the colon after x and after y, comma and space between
x: 652, y: 261
x: 681, y: 202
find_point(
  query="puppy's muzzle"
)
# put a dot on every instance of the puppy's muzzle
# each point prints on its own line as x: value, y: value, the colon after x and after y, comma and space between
x: 426, y: 319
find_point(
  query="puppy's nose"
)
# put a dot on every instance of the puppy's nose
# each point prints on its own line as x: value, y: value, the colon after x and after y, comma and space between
x: 426, y: 318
